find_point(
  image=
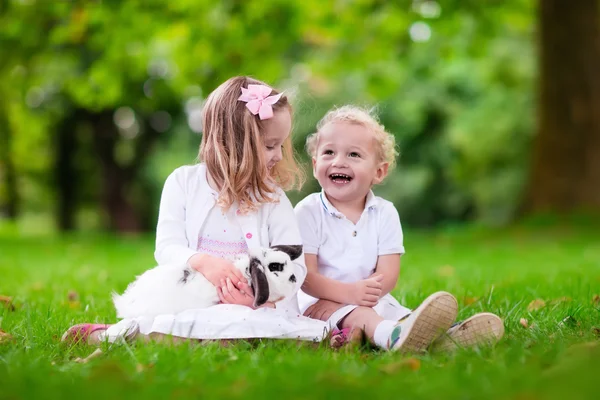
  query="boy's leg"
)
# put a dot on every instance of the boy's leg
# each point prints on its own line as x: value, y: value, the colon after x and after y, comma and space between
x: 480, y: 329
x: 412, y: 334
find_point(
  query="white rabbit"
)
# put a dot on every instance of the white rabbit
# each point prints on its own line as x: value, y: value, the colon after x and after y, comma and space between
x: 170, y: 289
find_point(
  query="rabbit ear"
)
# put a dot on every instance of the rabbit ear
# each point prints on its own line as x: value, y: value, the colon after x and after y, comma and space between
x: 259, y: 283
x: 292, y: 250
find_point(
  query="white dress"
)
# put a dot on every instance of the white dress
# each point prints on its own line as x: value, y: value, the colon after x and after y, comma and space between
x: 221, y: 235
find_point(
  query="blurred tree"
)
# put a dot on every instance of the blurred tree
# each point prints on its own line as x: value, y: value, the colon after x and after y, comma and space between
x: 565, y: 173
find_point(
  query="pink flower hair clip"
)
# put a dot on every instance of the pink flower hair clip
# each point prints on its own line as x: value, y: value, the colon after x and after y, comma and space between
x: 258, y: 101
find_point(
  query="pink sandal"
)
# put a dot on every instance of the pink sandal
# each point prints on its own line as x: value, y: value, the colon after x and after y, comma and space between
x: 347, y: 336
x: 82, y: 332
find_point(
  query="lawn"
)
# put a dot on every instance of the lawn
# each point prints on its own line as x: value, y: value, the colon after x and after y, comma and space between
x: 544, y: 281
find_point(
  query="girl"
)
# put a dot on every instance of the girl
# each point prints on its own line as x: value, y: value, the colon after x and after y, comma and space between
x: 353, y: 243
x: 212, y: 212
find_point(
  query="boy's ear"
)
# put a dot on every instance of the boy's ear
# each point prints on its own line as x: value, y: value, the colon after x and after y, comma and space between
x: 381, y: 173
x: 314, y: 164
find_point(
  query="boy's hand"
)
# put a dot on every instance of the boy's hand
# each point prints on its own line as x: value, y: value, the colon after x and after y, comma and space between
x: 366, y: 292
x: 240, y: 294
x: 322, y: 309
x: 215, y: 269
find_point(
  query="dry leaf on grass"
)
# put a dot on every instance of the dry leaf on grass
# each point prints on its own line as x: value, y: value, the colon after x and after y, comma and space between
x: 524, y: 323
x: 411, y: 363
x: 73, y: 295
x: 446, y: 271
x: 596, y: 299
x: 536, y: 305
x: 596, y: 331
x: 6, y: 301
x: 564, y: 299
x: 5, y: 337
x: 95, y: 354
x: 470, y: 300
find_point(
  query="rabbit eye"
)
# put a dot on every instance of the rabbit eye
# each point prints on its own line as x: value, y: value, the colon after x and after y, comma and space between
x: 276, y: 267
x: 293, y: 278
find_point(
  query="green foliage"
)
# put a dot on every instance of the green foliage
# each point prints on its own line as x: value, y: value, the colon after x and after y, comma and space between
x: 452, y: 80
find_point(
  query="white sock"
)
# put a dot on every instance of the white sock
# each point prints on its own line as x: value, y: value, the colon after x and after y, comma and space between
x: 382, y: 334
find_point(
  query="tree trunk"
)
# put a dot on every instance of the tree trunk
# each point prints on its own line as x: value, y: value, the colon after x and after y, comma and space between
x: 65, y: 173
x: 565, y: 170
x: 116, y: 180
x: 11, y: 203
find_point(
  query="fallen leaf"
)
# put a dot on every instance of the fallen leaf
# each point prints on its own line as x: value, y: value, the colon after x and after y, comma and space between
x: 524, y: 323
x: 7, y: 302
x: 5, y: 337
x: 470, y: 300
x: 446, y: 271
x: 37, y: 286
x: 74, y: 305
x: 596, y: 299
x: 95, y: 354
x: 536, y: 305
x: 411, y: 363
x: 596, y: 331
x: 564, y: 299
x: 73, y: 295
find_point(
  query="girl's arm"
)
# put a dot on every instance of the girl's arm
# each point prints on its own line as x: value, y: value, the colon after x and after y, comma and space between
x: 171, y: 241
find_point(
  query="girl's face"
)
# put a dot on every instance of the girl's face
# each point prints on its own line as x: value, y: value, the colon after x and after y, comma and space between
x: 277, y: 130
x: 346, y: 163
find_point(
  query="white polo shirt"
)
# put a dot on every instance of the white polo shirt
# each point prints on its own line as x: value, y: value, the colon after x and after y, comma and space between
x: 347, y: 252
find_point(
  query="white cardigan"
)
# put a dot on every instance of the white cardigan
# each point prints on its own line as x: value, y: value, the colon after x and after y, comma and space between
x: 185, y: 202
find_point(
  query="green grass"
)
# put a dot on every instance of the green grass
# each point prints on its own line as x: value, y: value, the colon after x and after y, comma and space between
x: 500, y: 271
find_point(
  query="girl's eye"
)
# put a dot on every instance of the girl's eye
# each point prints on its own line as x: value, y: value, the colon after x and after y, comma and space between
x: 328, y: 152
x: 270, y: 147
x: 354, y: 154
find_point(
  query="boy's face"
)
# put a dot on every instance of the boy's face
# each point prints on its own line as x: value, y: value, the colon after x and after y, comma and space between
x: 277, y: 130
x: 346, y: 163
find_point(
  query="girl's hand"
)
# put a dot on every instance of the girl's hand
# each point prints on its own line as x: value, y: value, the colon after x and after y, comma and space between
x: 366, y: 292
x: 215, y: 269
x: 230, y: 294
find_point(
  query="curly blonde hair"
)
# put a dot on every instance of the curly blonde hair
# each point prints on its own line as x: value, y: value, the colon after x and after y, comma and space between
x: 233, y: 146
x: 386, y: 142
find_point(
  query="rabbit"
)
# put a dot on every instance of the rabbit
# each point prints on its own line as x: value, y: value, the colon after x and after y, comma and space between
x: 170, y: 289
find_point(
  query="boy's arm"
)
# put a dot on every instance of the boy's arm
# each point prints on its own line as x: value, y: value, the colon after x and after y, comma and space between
x: 320, y: 286
x: 362, y: 293
x: 389, y: 266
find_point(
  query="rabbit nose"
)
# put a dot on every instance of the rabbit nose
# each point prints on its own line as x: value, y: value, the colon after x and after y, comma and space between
x: 293, y: 278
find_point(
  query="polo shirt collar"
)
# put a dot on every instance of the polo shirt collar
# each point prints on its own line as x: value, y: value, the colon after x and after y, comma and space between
x: 370, y: 204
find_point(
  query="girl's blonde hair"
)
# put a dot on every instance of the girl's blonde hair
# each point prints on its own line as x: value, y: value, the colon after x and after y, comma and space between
x: 386, y: 143
x: 233, y: 149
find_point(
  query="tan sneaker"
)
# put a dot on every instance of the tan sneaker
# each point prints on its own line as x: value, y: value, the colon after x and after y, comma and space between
x: 480, y: 330
x: 431, y: 319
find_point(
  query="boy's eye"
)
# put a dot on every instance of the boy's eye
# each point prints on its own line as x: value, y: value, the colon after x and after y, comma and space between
x: 328, y: 152
x: 354, y: 154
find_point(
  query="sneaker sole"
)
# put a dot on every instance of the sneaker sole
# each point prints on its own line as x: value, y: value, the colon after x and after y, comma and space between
x: 480, y: 330
x: 435, y: 316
